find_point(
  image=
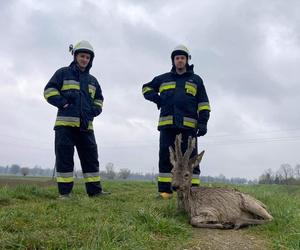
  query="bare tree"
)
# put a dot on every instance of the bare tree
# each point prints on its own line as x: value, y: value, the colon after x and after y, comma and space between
x: 297, y: 171
x: 110, y: 172
x: 124, y: 173
x: 267, y: 177
x: 24, y: 171
x: 286, y: 171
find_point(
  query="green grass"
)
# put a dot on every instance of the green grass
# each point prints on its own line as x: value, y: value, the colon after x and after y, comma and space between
x: 131, y: 218
x: 284, y: 203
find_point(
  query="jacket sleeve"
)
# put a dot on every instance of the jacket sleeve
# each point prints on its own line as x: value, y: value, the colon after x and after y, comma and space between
x: 98, y: 101
x: 150, y: 91
x: 52, y: 90
x: 203, y: 105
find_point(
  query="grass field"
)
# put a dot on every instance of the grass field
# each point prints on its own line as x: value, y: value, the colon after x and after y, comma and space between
x: 131, y: 218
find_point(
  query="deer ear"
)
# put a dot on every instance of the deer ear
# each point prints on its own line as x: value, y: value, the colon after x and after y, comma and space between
x: 193, y: 162
x: 172, y: 156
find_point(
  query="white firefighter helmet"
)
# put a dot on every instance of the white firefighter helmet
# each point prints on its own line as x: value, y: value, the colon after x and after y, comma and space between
x: 181, y: 50
x: 82, y: 46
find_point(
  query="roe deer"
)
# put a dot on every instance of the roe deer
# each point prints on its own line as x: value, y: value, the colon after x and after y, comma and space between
x: 211, y: 207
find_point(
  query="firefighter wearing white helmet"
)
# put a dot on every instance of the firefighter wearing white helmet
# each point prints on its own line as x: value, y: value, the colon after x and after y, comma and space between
x: 78, y: 97
x: 83, y: 47
x: 184, y: 109
x: 181, y: 50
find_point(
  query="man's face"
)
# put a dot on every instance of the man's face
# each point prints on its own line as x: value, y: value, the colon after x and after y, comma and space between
x: 180, y: 61
x: 83, y: 59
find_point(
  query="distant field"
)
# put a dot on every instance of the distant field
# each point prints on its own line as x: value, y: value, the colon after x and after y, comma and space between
x: 131, y: 218
x: 15, y: 181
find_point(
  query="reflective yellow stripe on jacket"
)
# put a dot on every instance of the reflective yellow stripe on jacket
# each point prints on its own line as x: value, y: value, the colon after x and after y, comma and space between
x: 146, y: 90
x: 165, y: 120
x: 50, y: 92
x: 98, y: 102
x: 203, y: 106
x: 166, y: 86
x: 67, y: 121
x: 70, y: 84
x: 189, y: 122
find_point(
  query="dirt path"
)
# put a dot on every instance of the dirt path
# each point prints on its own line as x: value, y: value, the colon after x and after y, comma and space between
x: 214, y: 239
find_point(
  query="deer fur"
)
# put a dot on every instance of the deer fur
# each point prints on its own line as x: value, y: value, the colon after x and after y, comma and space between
x: 211, y: 207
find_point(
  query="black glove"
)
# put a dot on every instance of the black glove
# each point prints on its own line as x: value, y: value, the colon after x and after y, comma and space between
x: 84, y: 121
x: 86, y: 117
x: 95, y: 112
x: 202, y: 130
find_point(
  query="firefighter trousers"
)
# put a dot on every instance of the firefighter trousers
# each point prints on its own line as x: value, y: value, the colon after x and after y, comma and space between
x: 167, y: 138
x: 66, y: 139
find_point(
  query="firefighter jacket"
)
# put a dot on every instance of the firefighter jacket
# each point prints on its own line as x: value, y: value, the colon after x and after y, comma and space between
x: 182, y: 99
x: 79, y: 89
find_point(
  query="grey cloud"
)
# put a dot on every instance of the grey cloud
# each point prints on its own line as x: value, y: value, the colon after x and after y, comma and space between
x: 252, y: 86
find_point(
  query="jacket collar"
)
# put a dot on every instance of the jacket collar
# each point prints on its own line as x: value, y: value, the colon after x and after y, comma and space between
x: 75, y: 68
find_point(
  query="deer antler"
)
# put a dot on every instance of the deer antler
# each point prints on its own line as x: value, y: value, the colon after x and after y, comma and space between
x: 190, y: 148
x: 178, y: 151
x: 172, y: 156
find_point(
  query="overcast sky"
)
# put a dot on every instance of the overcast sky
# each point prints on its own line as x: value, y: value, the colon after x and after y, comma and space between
x: 247, y: 52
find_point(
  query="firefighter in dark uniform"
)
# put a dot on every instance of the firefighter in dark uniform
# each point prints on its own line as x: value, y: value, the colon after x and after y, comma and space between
x: 78, y: 97
x: 184, y: 109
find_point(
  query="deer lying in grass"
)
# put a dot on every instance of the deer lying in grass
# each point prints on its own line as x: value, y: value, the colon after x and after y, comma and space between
x: 211, y: 207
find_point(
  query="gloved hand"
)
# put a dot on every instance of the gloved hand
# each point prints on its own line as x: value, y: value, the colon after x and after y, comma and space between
x: 84, y: 121
x: 86, y: 117
x: 95, y: 112
x: 202, y: 130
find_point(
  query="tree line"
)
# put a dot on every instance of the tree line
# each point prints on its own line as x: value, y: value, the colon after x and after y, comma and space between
x: 110, y: 173
x: 286, y: 174
x: 16, y: 169
x: 222, y: 179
